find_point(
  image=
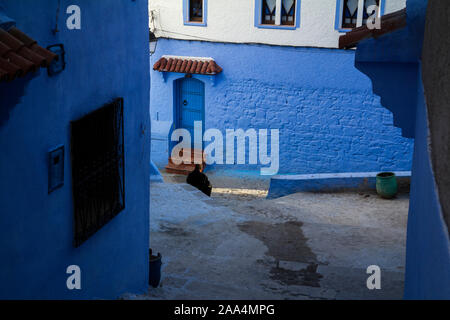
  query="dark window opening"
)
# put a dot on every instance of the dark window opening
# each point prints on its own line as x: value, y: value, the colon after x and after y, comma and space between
x: 97, y: 154
x: 196, y: 10
x: 288, y: 12
x: 350, y: 14
x: 268, y: 11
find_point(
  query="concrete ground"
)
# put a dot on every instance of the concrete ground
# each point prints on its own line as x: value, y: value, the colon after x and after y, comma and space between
x: 239, y: 245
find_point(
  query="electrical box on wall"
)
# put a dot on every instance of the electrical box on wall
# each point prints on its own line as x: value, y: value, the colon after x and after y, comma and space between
x: 57, y: 65
x: 56, y: 169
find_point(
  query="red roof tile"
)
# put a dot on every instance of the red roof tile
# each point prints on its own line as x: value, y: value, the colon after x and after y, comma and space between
x: 178, y: 65
x: 199, y: 67
x: 187, y: 65
x: 19, y: 54
x: 389, y: 23
x: 168, y: 64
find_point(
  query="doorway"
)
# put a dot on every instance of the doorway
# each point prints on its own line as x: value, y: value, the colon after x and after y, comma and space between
x: 189, y: 107
x: 190, y: 104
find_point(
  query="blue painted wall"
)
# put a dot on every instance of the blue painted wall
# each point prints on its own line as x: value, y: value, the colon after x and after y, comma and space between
x: 107, y: 58
x: 398, y: 56
x: 329, y: 119
x: 428, y: 247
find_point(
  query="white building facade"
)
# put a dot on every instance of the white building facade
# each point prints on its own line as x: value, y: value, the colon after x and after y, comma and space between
x: 316, y: 23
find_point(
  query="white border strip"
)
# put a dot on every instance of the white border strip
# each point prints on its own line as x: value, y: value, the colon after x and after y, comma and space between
x: 337, y: 175
x: 188, y: 58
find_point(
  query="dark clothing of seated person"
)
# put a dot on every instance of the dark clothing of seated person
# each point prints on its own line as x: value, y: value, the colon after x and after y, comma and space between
x: 199, y: 180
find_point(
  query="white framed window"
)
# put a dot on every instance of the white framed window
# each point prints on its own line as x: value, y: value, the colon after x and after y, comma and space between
x: 277, y: 14
x: 352, y: 14
x: 194, y: 12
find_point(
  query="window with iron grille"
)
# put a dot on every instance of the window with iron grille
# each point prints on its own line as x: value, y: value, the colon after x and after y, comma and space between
x: 277, y: 14
x: 268, y: 11
x: 97, y: 156
x: 288, y: 12
x: 350, y: 14
x: 196, y: 10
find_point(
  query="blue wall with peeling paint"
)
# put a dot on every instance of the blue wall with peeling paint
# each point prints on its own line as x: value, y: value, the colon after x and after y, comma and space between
x: 107, y: 58
x: 328, y: 117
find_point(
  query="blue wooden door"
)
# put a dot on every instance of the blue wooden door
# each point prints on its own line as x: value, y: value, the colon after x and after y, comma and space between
x: 191, y: 104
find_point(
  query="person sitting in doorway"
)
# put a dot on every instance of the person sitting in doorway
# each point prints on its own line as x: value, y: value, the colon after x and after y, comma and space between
x: 199, y: 180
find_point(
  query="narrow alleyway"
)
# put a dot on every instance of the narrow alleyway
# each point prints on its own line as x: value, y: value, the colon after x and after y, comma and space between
x: 238, y: 245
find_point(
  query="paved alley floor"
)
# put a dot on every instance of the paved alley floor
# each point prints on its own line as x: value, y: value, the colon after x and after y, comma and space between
x: 239, y: 245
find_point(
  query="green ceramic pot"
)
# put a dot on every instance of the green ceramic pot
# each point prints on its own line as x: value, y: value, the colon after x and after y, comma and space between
x: 387, y: 187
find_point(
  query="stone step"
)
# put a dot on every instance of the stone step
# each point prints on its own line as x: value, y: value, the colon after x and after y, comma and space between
x: 186, y: 168
x: 194, y: 154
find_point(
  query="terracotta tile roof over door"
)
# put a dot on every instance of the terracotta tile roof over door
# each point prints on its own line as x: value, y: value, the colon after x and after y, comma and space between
x: 191, y: 65
x: 20, y: 55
